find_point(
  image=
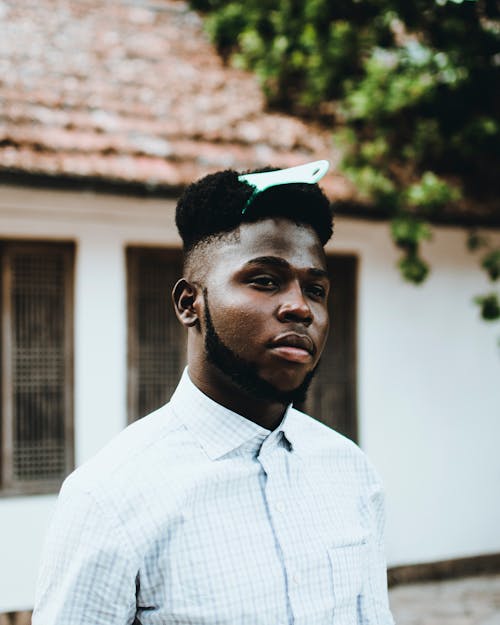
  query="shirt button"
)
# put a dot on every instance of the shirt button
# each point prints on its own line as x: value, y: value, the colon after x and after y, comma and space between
x: 295, y: 579
x: 280, y: 507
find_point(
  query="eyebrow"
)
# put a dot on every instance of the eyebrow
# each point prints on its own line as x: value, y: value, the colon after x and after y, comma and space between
x: 281, y: 263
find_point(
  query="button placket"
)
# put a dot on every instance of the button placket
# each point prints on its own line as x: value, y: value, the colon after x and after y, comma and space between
x: 276, y: 487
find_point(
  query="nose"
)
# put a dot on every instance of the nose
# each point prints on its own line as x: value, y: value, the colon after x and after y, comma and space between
x: 294, y: 306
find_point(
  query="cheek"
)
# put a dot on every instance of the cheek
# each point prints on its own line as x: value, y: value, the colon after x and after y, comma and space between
x: 323, y: 326
x: 238, y: 324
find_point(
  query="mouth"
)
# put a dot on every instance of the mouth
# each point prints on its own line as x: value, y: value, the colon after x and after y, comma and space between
x: 293, y: 347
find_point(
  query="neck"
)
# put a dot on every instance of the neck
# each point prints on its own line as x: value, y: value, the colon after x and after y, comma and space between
x: 222, y: 390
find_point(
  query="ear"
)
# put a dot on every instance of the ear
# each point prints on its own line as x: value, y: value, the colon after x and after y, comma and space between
x: 184, y: 295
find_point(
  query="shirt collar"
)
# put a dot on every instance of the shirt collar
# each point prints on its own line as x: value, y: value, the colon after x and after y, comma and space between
x: 218, y: 429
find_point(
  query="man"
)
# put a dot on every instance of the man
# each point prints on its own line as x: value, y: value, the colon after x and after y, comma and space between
x: 227, y: 506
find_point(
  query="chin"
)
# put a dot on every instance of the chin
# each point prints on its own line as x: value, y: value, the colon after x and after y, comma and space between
x: 285, y: 380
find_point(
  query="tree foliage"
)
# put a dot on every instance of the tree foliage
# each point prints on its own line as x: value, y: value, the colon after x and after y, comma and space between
x: 409, y: 88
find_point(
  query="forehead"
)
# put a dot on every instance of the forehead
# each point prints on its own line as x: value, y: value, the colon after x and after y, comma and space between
x: 299, y: 245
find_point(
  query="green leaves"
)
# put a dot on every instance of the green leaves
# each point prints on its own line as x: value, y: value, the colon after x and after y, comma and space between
x: 225, y: 25
x: 430, y: 192
x: 491, y: 264
x: 475, y: 241
x: 413, y: 269
x: 407, y: 233
x: 489, y: 306
x: 408, y: 87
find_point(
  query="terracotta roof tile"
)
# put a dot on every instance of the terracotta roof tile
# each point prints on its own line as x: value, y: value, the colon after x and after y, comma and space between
x: 133, y: 90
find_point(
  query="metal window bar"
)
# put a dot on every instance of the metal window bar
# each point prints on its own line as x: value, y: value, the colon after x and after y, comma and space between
x: 37, y: 358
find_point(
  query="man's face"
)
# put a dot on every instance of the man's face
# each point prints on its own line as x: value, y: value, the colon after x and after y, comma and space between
x: 265, y: 317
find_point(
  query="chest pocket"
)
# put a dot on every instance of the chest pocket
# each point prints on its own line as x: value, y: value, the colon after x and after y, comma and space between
x: 348, y: 563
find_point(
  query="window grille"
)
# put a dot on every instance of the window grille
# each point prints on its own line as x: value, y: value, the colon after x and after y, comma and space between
x: 36, y: 345
x: 156, y: 340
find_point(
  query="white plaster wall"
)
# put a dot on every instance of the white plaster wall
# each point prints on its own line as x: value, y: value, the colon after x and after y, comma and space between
x: 428, y: 376
x: 428, y: 395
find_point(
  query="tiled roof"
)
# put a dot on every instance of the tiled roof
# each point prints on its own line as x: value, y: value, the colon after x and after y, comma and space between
x: 132, y: 91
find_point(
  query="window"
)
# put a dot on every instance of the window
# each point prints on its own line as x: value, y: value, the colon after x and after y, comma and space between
x: 36, y: 343
x: 332, y: 396
x: 156, y: 339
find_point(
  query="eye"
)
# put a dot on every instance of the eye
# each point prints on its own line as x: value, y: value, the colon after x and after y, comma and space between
x: 264, y: 281
x: 317, y: 291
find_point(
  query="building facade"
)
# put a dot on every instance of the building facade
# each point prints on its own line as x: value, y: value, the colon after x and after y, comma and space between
x: 415, y: 379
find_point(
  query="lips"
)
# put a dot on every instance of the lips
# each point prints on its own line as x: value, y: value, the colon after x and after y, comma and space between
x: 293, y: 347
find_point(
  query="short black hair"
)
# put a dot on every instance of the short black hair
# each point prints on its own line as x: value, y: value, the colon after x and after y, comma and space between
x: 213, y: 206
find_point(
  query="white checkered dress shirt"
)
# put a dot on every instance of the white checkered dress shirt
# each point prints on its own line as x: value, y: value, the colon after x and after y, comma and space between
x: 197, y: 516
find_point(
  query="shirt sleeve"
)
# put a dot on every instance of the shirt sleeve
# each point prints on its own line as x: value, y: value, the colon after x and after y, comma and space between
x: 373, y: 605
x: 88, y: 572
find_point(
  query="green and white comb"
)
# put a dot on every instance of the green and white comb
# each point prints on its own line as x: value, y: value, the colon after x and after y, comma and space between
x: 309, y: 173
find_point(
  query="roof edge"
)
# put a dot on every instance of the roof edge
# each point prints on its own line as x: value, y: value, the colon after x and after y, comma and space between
x: 109, y: 186
x: 349, y: 208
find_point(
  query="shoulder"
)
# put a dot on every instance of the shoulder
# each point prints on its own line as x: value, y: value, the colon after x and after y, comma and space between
x: 129, y: 454
x: 136, y: 481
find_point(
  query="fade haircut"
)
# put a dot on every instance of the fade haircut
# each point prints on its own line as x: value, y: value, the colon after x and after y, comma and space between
x: 211, y: 209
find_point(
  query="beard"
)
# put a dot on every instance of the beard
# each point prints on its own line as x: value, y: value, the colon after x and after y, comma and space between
x: 243, y: 373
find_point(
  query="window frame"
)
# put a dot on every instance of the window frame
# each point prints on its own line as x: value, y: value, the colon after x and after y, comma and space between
x: 133, y: 257
x: 10, y: 486
x: 342, y: 346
